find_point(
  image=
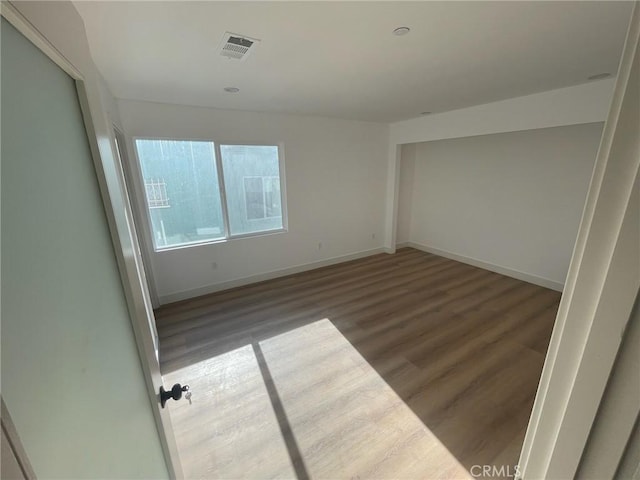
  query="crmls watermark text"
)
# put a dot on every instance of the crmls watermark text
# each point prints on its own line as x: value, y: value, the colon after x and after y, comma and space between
x: 490, y: 471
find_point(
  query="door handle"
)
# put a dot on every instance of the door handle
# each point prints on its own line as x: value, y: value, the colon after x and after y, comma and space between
x: 175, y: 393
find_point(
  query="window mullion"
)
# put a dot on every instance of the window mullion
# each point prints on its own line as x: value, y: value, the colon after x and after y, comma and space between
x: 223, y: 192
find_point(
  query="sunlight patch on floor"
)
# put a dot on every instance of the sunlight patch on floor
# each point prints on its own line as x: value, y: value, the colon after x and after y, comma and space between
x: 230, y: 429
x: 342, y: 418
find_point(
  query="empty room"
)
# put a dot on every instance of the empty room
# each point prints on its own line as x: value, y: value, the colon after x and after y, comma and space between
x: 320, y: 240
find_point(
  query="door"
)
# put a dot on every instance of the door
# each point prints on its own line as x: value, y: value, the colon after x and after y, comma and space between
x: 77, y: 387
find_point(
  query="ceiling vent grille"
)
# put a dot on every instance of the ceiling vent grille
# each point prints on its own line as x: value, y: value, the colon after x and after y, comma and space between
x: 237, y: 47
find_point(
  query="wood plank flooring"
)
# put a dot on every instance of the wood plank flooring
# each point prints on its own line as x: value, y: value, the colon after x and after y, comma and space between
x: 393, y: 366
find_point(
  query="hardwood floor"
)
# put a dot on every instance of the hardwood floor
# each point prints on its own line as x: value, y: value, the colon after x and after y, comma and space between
x: 393, y: 366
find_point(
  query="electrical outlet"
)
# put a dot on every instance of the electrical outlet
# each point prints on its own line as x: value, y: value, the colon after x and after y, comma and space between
x: 319, y: 245
x: 214, y: 265
x: 373, y: 236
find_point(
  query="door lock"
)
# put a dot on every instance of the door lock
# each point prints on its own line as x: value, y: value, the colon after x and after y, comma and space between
x: 175, y: 393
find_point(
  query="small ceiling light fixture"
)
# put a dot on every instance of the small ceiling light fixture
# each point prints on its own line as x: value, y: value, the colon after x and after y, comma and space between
x: 425, y: 113
x: 231, y: 89
x: 599, y: 76
x: 401, y: 31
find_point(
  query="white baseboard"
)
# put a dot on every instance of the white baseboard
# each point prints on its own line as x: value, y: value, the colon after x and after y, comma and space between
x: 509, y: 272
x: 217, y: 287
x: 239, y: 282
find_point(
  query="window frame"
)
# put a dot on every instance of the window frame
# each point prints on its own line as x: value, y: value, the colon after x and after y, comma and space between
x: 221, y: 187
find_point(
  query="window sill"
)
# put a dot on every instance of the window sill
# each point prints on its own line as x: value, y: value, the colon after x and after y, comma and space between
x: 221, y: 240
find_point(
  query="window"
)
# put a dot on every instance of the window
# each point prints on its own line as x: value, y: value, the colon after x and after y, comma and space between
x: 188, y: 202
x: 252, y: 186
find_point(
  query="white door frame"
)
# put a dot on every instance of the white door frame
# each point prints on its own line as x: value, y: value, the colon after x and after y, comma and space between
x: 138, y: 221
x: 601, y: 287
x: 100, y: 136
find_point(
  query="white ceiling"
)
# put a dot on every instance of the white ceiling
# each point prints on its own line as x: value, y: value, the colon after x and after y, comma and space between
x: 340, y: 59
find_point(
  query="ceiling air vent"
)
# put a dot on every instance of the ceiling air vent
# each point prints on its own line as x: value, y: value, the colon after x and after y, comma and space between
x: 237, y: 46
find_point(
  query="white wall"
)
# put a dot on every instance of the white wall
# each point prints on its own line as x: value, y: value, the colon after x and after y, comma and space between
x: 586, y: 103
x: 335, y: 184
x: 405, y: 193
x: 511, y: 201
x: 109, y: 102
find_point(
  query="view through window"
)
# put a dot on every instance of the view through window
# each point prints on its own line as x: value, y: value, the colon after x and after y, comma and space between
x: 188, y: 203
x: 252, y: 185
